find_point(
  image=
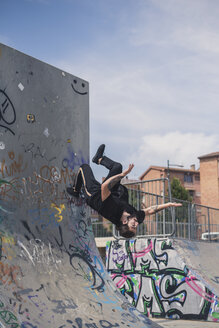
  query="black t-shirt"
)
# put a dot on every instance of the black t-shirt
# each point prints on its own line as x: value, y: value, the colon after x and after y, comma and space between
x: 113, y: 207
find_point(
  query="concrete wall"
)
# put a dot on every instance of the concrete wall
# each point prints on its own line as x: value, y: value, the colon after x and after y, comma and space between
x: 153, y: 277
x: 51, y: 274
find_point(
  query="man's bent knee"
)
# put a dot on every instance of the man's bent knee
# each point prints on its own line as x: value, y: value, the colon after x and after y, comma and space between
x: 117, y: 167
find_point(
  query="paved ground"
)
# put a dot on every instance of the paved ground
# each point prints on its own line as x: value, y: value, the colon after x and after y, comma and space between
x: 185, y: 323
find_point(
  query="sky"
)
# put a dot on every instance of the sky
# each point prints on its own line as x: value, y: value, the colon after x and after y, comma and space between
x: 152, y: 68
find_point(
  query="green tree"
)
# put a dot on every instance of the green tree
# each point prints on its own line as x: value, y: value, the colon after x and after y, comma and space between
x: 178, y: 191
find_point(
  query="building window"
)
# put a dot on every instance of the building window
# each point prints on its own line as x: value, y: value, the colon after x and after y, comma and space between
x: 197, y: 177
x: 188, y: 178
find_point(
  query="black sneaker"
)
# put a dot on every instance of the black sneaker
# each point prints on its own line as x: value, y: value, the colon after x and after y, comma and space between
x: 71, y: 191
x: 98, y: 154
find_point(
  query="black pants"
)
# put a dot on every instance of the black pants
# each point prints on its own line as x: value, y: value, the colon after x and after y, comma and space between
x: 86, y: 177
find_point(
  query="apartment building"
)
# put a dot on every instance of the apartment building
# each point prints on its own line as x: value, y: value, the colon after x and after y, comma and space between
x: 209, y: 174
x: 189, y: 178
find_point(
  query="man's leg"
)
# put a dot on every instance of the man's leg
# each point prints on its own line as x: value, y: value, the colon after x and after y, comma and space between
x: 113, y: 167
x: 78, y: 181
x: 99, y: 154
x: 86, y: 178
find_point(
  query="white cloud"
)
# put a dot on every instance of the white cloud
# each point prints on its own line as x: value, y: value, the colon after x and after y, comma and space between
x: 197, y: 39
x: 152, y: 67
x: 191, y: 25
x: 178, y: 148
x: 126, y: 103
x: 163, y: 78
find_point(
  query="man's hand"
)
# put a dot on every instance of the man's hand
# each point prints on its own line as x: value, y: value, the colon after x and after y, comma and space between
x: 156, y: 208
x: 128, y: 170
x: 174, y: 204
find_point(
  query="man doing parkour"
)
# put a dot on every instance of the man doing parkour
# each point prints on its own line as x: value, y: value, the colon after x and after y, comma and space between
x: 110, y: 199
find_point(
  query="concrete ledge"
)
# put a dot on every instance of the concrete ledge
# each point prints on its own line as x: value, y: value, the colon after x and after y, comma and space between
x: 167, y: 323
x: 101, y: 241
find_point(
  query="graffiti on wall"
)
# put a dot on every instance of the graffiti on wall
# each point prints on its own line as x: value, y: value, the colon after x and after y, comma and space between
x: 154, y: 280
x: 86, y: 265
x: 73, y: 159
x: 33, y: 303
x: 15, y: 165
x: 46, y: 241
x: 7, y: 112
x: 80, y: 88
x: 8, y: 317
x: 43, y: 184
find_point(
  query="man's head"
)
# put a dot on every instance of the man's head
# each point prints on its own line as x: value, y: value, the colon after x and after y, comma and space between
x: 128, y: 226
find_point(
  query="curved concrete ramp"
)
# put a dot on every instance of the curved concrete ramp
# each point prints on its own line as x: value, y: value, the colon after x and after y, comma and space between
x: 203, y: 258
x: 51, y: 274
x: 54, y: 277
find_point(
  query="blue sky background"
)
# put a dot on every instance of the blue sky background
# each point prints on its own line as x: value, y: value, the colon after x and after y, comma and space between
x: 152, y: 66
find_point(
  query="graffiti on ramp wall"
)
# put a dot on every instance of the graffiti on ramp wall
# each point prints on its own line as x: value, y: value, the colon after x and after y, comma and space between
x: 150, y: 274
x: 51, y: 274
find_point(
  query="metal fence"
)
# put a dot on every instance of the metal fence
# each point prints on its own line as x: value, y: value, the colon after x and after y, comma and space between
x: 200, y: 219
x: 189, y: 221
x: 149, y: 193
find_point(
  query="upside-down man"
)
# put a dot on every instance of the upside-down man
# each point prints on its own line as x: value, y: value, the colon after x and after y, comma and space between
x: 110, y: 199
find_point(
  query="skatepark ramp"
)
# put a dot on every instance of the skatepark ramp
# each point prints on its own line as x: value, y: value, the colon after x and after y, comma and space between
x: 51, y: 274
x: 166, y: 278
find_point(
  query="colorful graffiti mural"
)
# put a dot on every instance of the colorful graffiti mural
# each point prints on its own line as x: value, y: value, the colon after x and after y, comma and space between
x: 154, y: 279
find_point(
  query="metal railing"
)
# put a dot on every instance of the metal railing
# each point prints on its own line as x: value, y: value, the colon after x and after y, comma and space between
x: 102, y: 229
x: 149, y: 193
x: 189, y: 221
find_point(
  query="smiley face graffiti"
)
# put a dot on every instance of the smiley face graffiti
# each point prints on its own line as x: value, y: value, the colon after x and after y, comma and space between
x: 79, y: 87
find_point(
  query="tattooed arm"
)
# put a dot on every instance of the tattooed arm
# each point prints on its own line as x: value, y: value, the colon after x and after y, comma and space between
x: 107, y: 185
x: 156, y: 208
